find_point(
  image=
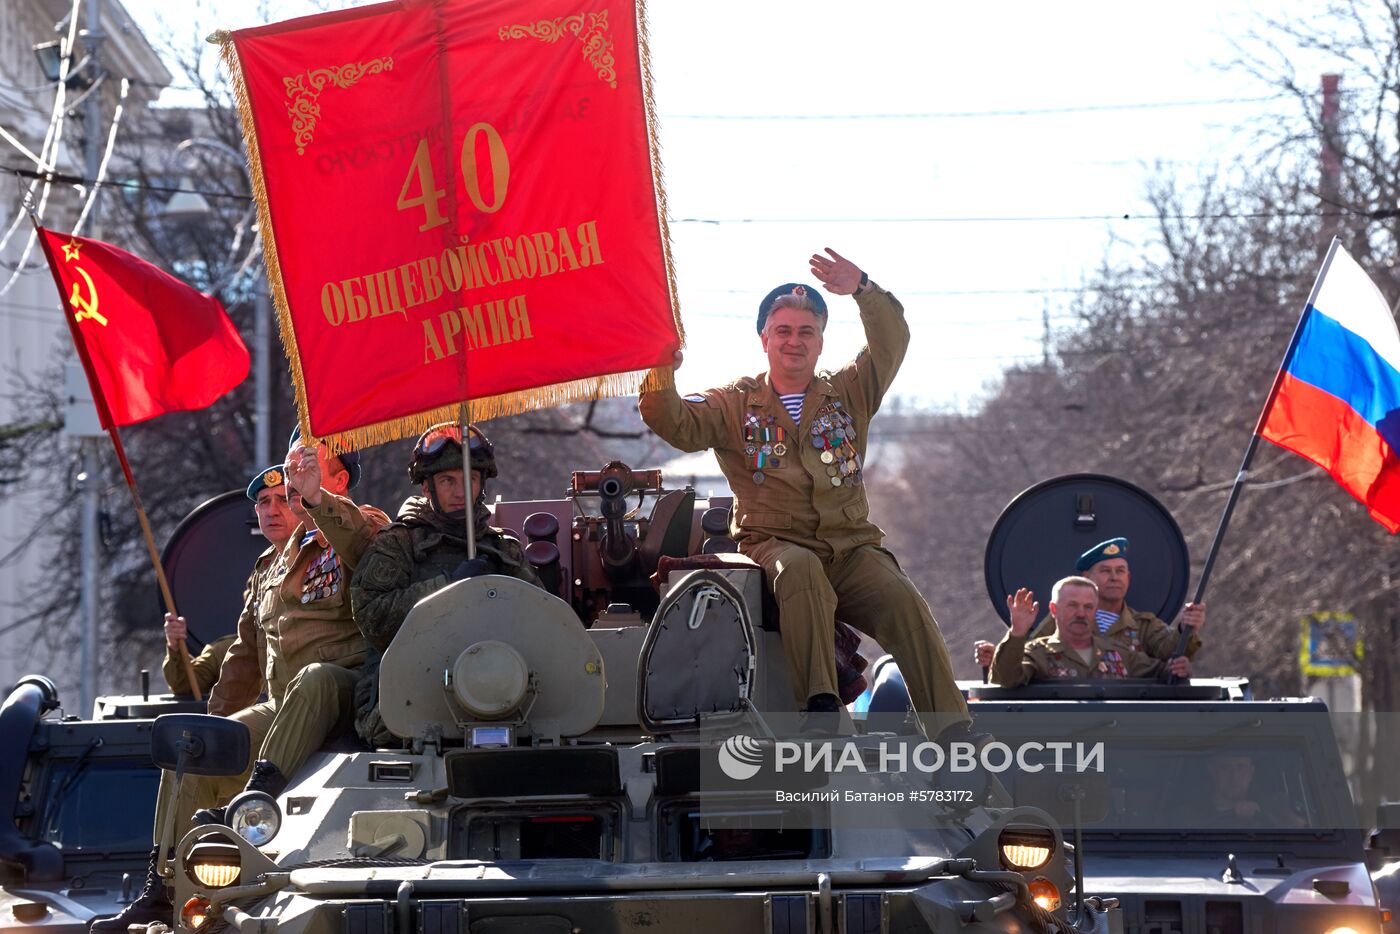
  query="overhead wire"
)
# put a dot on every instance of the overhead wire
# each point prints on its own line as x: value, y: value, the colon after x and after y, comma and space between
x: 62, y: 178
x: 53, y: 138
x: 982, y: 114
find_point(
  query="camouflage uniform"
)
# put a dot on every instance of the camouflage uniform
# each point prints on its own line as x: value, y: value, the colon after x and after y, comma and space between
x: 801, y: 512
x: 1134, y: 631
x: 410, y: 559
x: 1018, y: 661
x: 313, y: 649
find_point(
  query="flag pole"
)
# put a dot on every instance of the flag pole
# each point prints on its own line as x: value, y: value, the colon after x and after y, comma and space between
x: 1253, y: 446
x: 164, y: 582
x: 462, y: 418
x: 105, y: 417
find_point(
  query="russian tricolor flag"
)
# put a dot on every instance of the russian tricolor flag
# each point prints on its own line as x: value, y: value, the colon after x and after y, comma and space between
x: 1337, y: 401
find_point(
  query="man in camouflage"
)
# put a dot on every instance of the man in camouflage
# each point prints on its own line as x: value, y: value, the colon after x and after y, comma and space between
x: 791, y: 443
x: 424, y: 550
x: 1106, y: 564
x: 313, y: 651
x: 268, y: 492
x: 1075, y: 650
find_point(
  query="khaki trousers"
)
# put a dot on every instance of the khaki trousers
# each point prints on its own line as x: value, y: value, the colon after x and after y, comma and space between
x: 866, y: 589
x: 318, y: 706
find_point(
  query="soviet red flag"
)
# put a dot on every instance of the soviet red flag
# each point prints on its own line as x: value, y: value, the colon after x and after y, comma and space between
x: 460, y: 200
x: 149, y: 343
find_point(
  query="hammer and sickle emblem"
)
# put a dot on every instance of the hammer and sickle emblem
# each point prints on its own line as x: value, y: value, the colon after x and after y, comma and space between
x: 87, y: 307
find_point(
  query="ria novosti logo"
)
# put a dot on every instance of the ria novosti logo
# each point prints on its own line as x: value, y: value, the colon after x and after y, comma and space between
x: 740, y: 757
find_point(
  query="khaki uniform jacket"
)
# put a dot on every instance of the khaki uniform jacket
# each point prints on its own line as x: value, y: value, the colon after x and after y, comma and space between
x: 1018, y: 662
x: 210, y: 661
x: 1137, y: 631
x: 794, y: 499
x: 205, y: 665
x: 298, y: 633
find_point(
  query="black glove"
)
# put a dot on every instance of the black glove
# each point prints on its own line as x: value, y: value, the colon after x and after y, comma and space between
x: 472, y: 567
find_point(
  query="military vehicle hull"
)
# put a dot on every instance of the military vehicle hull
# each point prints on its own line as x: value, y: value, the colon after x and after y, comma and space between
x: 82, y: 795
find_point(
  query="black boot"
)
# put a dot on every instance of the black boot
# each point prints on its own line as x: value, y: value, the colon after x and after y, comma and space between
x: 153, y: 904
x: 266, y: 778
x: 822, y: 717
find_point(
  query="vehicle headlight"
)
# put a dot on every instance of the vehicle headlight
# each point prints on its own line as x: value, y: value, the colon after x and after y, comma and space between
x: 1341, y: 930
x: 214, y: 864
x: 1044, y: 893
x: 255, y: 816
x: 1025, y: 849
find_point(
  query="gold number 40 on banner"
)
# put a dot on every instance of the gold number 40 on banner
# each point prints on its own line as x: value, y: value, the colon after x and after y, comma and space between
x: 429, y: 196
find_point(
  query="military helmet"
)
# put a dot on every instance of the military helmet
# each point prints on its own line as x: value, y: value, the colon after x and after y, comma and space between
x: 440, y: 448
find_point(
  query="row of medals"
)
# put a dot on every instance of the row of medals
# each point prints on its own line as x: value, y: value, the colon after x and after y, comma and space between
x: 833, y: 433
x: 765, y: 444
x: 322, y: 577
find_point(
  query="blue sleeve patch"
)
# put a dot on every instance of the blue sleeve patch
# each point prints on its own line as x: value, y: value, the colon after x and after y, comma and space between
x: 694, y: 397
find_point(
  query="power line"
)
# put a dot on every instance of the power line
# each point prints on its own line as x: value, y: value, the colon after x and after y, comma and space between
x: 66, y: 178
x: 1044, y: 218
x: 1047, y: 290
x: 980, y: 114
x: 1378, y: 214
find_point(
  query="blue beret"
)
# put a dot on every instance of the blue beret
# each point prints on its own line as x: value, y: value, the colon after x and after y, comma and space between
x: 789, y: 288
x: 349, y: 459
x: 265, y: 478
x: 1113, y: 548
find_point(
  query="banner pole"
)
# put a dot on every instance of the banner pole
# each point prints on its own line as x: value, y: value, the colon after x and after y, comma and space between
x: 1253, y: 445
x: 462, y: 415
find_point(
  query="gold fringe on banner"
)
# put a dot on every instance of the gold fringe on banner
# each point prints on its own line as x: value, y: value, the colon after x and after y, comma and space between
x: 654, y: 142
x: 527, y: 400
x: 512, y: 403
x: 229, y: 53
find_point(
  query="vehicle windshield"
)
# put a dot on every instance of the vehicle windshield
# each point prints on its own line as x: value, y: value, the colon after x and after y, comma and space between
x: 97, y: 805
x: 1197, y: 777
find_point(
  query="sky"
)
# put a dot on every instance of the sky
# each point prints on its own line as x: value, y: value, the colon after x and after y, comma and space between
x: 965, y: 155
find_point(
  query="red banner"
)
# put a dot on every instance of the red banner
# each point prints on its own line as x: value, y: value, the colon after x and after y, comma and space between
x: 460, y: 200
x: 150, y: 344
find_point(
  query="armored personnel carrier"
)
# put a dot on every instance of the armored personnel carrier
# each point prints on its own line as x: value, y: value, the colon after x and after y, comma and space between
x: 1216, y: 811
x: 80, y: 792
x: 616, y: 752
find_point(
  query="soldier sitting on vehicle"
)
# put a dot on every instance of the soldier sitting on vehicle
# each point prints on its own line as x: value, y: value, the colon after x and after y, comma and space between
x: 1106, y: 564
x: 313, y: 649
x: 424, y: 550
x: 1074, y: 650
x: 791, y: 443
x: 268, y: 492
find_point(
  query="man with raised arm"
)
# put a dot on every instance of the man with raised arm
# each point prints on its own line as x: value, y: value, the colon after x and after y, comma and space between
x: 791, y: 443
x: 1075, y: 650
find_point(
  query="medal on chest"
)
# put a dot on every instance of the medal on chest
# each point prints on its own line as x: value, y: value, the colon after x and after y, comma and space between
x: 1111, y: 665
x: 765, y: 445
x: 834, y: 435
x: 322, y: 577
